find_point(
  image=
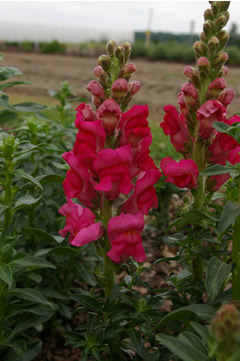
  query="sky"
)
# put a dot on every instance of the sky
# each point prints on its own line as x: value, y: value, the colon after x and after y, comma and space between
x: 167, y: 16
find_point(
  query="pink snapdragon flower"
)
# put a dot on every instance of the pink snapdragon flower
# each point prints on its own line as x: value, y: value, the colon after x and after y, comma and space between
x: 134, y: 125
x: 109, y: 113
x: 124, y: 234
x: 222, y: 144
x: 84, y: 112
x: 184, y: 174
x: 113, y: 169
x: 144, y: 196
x: 78, y: 183
x: 89, y: 140
x: 226, y: 97
x: 80, y: 223
x: 208, y: 113
x: 175, y: 126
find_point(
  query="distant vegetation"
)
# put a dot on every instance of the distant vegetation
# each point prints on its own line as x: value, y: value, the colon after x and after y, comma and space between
x: 164, y: 46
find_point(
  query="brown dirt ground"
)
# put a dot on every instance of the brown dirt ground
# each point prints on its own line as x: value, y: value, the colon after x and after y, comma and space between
x: 161, y: 81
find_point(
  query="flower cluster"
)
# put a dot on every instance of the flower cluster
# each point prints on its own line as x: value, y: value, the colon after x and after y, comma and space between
x: 203, y: 100
x: 110, y: 158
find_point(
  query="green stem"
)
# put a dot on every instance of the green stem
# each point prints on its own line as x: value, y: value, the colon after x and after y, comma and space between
x: 108, y: 265
x: 7, y: 199
x: 236, y: 257
x: 3, y: 298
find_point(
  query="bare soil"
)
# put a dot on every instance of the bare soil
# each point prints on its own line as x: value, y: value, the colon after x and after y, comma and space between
x: 160, y: 81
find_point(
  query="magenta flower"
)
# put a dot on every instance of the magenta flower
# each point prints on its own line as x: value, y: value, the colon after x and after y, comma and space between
x: 184, y: 174
x: 78, y: 183
x: 142, y: 161
x: 175, y: 126
x: 207, y: 114
x: 124, y: 234
x: 144, y: 196
x: 113, y: 169
x: 109, y: 113
x: 89, y: 140
x: 80, y: 224
x: 84, y: 112
x: 134, y: 125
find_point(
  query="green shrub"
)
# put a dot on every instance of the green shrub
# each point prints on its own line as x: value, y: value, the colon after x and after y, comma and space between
x: 139, y: 49
x: 27, y: 45
x: 233, y: 54
x: 52, y: 47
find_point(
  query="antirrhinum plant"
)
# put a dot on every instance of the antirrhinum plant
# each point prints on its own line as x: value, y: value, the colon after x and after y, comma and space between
x: 203, y: 100
x: 110, y: 161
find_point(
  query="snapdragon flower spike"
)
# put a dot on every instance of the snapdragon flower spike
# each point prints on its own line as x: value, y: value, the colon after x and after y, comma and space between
x: 110, y: 157
x: 80, y: 224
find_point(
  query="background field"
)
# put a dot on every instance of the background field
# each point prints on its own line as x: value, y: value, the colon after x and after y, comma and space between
x: 160, y: 81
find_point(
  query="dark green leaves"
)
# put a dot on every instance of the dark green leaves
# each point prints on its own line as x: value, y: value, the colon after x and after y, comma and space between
x: 6, y: 273
x: 229, y: 214
x: 8, y: 72
x: 217, y: 273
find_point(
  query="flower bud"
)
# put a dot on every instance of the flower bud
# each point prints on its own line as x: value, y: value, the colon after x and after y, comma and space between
x: 95, y: 88
x: 119, y: 89
x: 203, y: 37
x: 224, y: 5
x: 220, y: 22
x: 105, y: 62
x: 223, y: 71
x: 213, y: 46
x: 193, y: 75
x: 199, y: 48
x: 208, y: 27
x: 128, y: 48
x: 120, y: 54
x: 98, y: 71
x: 226, y: 97
x: 134, y: 87
x: 215, y: 88
x: 203, y: 66
x: 216, y: 8
x: 110, y: 47
x: 127, y: 70
x: 223, y: 37
x: 220, y: 60
x: 208, y: 14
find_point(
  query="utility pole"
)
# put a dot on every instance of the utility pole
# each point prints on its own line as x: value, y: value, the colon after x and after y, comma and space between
x: 149, y: 26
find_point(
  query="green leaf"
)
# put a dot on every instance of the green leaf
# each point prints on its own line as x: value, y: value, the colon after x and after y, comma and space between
x: 33, y: 349
x: 21, y: 174
x: 29, y: 294
x: 182, y: 349
x: 8, y: 71
x: 185, y: 313
x: 29, y: 107
x: 88, y: 302
x: 11, y: 83
x: 7, y: 116
x: 218, y: 169
x: 25, y: 201
x: 6, y: 273
x: 3, y: 208
x: 5, y: 105
x: 42, y: 234
x: 221, y: 127
x: 29, y: 321
x: 56, y: 178
x: 217, y: 273
x: 31, y: 261
x: 193, y: 217
x: 230, y: 212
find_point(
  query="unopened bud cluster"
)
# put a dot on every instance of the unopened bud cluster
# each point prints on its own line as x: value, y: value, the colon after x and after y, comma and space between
x: 113, y: 74
x: 225, y: 328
